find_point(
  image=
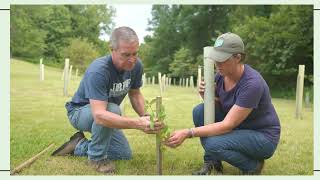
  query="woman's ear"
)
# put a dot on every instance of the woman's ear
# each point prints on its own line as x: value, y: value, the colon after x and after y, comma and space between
x: 238, y: 58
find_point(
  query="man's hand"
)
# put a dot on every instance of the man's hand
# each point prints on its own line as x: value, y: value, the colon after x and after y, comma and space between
x: 177, y: 138
x: 144, y: 125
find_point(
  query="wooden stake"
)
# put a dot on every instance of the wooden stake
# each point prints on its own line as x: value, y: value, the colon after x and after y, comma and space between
x: 191, y: 82
x: 40, y: 62
x: 42, y: 72
x: 187, y: 83
x: 29, y: 161
x: 299, y: 92
x: 66, y: 77
x: 199, y: 76
x: 144, y: 82
x: 209, y: 111
x: 164, y: 83
x: 158, y: 140
x: 160, y: 83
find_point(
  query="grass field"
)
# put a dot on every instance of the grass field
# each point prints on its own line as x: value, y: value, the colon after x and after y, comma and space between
x: 38, y: 118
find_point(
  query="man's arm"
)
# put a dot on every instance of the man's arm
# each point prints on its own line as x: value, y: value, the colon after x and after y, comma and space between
x: 137, y: 101
x: 108, y: 119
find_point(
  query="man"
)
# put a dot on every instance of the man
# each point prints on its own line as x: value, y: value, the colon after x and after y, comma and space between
x: 95, y: 105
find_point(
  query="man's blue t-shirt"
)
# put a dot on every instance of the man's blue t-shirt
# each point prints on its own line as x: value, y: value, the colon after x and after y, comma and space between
x: 251, y: 91
x: 102, y: 81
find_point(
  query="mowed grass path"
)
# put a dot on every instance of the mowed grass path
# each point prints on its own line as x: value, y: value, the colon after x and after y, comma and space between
x: 38, y: 118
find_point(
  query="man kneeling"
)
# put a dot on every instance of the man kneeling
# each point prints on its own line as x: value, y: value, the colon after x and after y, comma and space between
x: 95, y: 105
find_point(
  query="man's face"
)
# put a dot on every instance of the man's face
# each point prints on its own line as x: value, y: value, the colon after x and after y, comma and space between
x: 125, y: 56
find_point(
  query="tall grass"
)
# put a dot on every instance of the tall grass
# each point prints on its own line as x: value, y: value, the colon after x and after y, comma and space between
x: 38, y: 118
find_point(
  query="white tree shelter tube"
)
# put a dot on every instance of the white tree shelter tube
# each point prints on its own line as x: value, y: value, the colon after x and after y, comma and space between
x: 209, y: 94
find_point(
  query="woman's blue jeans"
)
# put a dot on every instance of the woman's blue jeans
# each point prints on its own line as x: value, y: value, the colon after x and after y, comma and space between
x: 105, y: 143
x: 242, y: 148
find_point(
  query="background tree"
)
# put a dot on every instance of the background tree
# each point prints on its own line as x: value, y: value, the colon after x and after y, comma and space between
x: 90, y: 22
x: 58, y: 29
x: 45, y: 31
x: 27, y: 40
x: 277, y: 38
x: 81, y: 53
x: 177, y: 26
x: 182, y: 65
x: 278, y: 44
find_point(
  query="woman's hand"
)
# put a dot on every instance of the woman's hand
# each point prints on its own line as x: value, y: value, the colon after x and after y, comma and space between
x: 202, y: 88
x: 177, y: 138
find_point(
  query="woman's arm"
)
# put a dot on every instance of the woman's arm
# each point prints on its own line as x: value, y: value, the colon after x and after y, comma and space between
x: 234, y: 117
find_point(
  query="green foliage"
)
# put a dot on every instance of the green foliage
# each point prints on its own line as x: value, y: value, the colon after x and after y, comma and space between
x: 27, y: 41
x: 81, y: 53
x: 277, y: 45
x: 58, y: 29
x: 89, y: 21
x: 183, y: 64
x: 278, y: 38
x: 240, y: 14
x: 178, y: 26
x: 165, y: 132
x: 45, y: 31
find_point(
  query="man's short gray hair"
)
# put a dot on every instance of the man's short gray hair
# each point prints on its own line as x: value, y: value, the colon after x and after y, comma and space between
x: 123, y: 33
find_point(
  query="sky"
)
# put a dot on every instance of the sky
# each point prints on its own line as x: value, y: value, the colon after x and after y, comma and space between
x: 135, y: 16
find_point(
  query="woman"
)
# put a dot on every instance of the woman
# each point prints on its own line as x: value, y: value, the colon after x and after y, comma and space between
x: 246, y: 129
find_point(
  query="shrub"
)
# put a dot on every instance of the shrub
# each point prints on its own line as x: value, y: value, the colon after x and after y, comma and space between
x: 81, y: 53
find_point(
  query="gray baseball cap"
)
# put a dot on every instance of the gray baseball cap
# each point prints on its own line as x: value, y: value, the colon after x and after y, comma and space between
x: 225, y: 46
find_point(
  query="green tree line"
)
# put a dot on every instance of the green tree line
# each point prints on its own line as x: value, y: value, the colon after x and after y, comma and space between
x: 57, y: 32
x: 278, y: 38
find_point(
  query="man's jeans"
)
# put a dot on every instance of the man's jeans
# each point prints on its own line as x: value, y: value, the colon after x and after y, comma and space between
x: 241, y: 148
x: 105, y: 143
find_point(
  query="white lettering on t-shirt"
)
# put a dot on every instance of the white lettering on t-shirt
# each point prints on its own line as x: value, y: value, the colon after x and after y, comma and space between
x: 119, y: 89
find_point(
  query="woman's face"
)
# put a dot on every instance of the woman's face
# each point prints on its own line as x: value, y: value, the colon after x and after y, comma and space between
x: 229, y: 66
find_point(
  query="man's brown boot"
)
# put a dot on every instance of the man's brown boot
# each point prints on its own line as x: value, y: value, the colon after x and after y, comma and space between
x: 103, y: 166
x: 68, y: 147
